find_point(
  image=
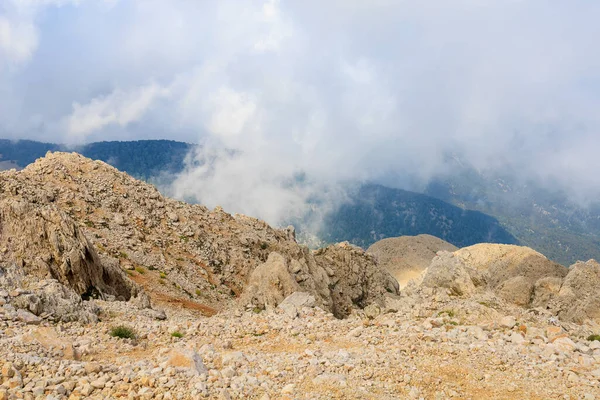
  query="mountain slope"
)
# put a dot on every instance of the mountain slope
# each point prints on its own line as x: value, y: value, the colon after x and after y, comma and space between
x: 543, y: 219
x: 143, y: 159
x: 376, y: 212
x: 184, y: 253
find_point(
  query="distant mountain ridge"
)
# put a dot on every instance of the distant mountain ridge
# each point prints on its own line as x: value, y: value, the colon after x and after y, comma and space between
x: 512, y: 212
x: 375, y: 212
x: 142, y: 159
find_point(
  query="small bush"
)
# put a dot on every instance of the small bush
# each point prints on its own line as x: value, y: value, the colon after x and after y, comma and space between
x: 123, y: 332
x: 162, y: 275
x: 264, y: 245
x: 593, y: 337
x: 123, y: 255
x: 449, y: 313
x: 198, y: 292
x: 177, y: 334
x: 140, y: 270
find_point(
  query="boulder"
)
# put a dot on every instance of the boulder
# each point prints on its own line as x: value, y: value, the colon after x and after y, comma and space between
x: 579, y: 295
x: 291, y: 304
x: 187, y: 359
x: 449, y: 272
x: 270, y: 283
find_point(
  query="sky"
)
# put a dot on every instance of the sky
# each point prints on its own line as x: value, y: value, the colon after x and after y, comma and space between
x: 317, y: 92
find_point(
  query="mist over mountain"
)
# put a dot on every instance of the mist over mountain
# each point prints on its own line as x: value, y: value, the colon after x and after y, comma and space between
x: 464, y: 206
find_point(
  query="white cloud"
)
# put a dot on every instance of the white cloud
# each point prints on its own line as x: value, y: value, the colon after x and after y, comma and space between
x: 119, y: 107
x: 333, y: 90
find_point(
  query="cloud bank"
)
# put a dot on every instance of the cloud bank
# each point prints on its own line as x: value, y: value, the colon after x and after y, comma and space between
x: 291, y: 98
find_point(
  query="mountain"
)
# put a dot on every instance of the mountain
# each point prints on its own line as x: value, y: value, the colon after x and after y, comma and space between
x: 375, y: 212
x: 540, y: 218
x: 505, y: 209
x: 143, y: 159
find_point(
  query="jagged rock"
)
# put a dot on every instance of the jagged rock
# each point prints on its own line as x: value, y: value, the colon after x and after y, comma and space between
x: 406, y: 257
x: 42, y: 242
x: 270, y: 283
x: 357, y: 279
x: 517, y: 290
x: 518, y: 274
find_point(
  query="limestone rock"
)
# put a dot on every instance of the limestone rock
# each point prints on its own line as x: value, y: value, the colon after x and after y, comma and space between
x: 449, y: 272
x: 579, y: 295
x: 406, y: 257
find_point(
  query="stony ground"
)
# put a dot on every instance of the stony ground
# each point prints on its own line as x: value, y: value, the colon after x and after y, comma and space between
x: 427, y: 345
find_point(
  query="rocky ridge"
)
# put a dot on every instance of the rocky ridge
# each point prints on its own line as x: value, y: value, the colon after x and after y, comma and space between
x: 111, y: 224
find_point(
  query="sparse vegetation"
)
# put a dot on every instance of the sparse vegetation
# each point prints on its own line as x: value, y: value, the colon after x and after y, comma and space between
x: 89, y: 224
x: 122, y: 332
x: 140, y: 270
x: 161, y: 281
x: 591, y: 338
x: 198, y: 292
x: 123, y: 255
x: 449, y: 313
x: 162, y: 275
x: 177, y: 334
x: 264, y: 245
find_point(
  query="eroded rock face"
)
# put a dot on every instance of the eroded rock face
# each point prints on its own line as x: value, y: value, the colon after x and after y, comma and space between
x: 339, y: 278
x: 43, y: 242
x: 355, y: 279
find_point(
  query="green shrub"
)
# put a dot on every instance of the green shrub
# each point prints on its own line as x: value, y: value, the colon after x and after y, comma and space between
x: 198, y: 292
x: 140, y: 270
x: 593, y: 337
x: 123, y: 332
x: 123, y: 255
x: 162, y: 275
x: 177, y: 334
x: 264, y: 245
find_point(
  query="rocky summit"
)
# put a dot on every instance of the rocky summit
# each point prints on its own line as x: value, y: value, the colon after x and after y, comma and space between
x: 109, y: 290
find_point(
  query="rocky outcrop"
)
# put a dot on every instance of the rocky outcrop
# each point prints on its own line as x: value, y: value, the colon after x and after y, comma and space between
x: 510, y: 271
x: 339, y: 278
x: 41, y: 241
x: 502, y: 262
x: 522, y: 277
x: 579, y: 296
x: 355, y: 279
x: 406, y: 257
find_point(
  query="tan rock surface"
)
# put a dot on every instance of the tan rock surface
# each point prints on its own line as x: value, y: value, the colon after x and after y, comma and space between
x: 405, y: 257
